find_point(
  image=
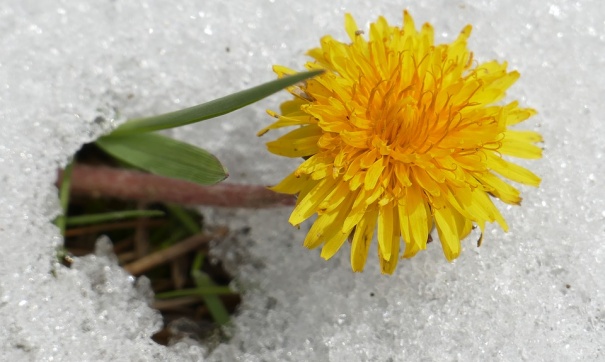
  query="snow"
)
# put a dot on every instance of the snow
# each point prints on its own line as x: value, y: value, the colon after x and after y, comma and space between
x: 70, y: 71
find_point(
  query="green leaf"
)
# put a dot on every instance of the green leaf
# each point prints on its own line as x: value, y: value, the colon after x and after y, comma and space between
x: 211, y: 109
x: 64, y: 196
x: 110, y: 216
x: 165, y: 156
x: 184, y: 218
x: 214, y: 304
x: 207, y: 290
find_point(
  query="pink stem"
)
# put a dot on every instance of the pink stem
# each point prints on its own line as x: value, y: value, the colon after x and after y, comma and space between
x: 98, y: 181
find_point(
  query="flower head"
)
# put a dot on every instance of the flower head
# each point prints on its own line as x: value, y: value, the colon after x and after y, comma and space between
x: 400, y: 135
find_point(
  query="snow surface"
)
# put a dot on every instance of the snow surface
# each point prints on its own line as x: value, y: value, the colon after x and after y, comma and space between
x: 71, y: 70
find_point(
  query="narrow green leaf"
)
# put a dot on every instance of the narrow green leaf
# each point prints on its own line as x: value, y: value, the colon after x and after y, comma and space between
x: 184, y: 218
x: 213, y: 302
x: 64, y: 196
x: 209, y: 290
x: 198, y: 262
x: 110, y: 216
x: 165, y: 156
x: 175, y: 236
x: 213, y: 108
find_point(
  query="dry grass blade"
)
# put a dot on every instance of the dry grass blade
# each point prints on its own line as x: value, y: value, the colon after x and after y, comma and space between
x: 103, y: 228
x: 163, y: 256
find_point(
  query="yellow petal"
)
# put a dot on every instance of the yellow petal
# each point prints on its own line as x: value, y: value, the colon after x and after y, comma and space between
x: 500, y: 189
x: 387, y: 235
x: 485, y: 202
x: 334, y: 200
x: 286, y: 121
x: 373, y: 174
x: 298, y: 143
x: 448, y: 233
x: 281, y: 71
x: 350, y: 26
x: 520, y: 144
x: 512, y: 171
x: 320, y: 228
x: 357, y: 212
x: 415, y: 221
x: 308, y: 205
x: 335, y: 238
x: 388, y: 265
x: 426, y: 182
x: 333, y: 244
x: 291, y: 184
x: 362, y: 238
x: 518, y: 115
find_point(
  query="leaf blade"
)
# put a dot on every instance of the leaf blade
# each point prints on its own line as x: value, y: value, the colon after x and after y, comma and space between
x: 165, y: 156
x: 213, y: 108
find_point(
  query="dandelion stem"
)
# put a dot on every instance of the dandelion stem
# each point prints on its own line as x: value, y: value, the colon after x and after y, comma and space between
x: 102, y: 181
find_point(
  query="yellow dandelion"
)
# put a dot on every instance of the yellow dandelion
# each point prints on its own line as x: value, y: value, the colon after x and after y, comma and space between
x: 400, y: 135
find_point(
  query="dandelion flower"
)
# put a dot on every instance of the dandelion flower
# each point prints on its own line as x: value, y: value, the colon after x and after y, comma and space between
x: 398, y: 136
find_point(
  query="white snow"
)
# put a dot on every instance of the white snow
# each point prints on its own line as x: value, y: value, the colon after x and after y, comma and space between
x: 70, y: 70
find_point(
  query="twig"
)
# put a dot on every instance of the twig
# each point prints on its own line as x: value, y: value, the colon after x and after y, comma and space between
x: 141, y: 234
x: 98, y: 181
x: 127, y: 257
x: 93, y: 229
x: 176, y: 302
x: 150, y: 261
x: 179, y: 268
